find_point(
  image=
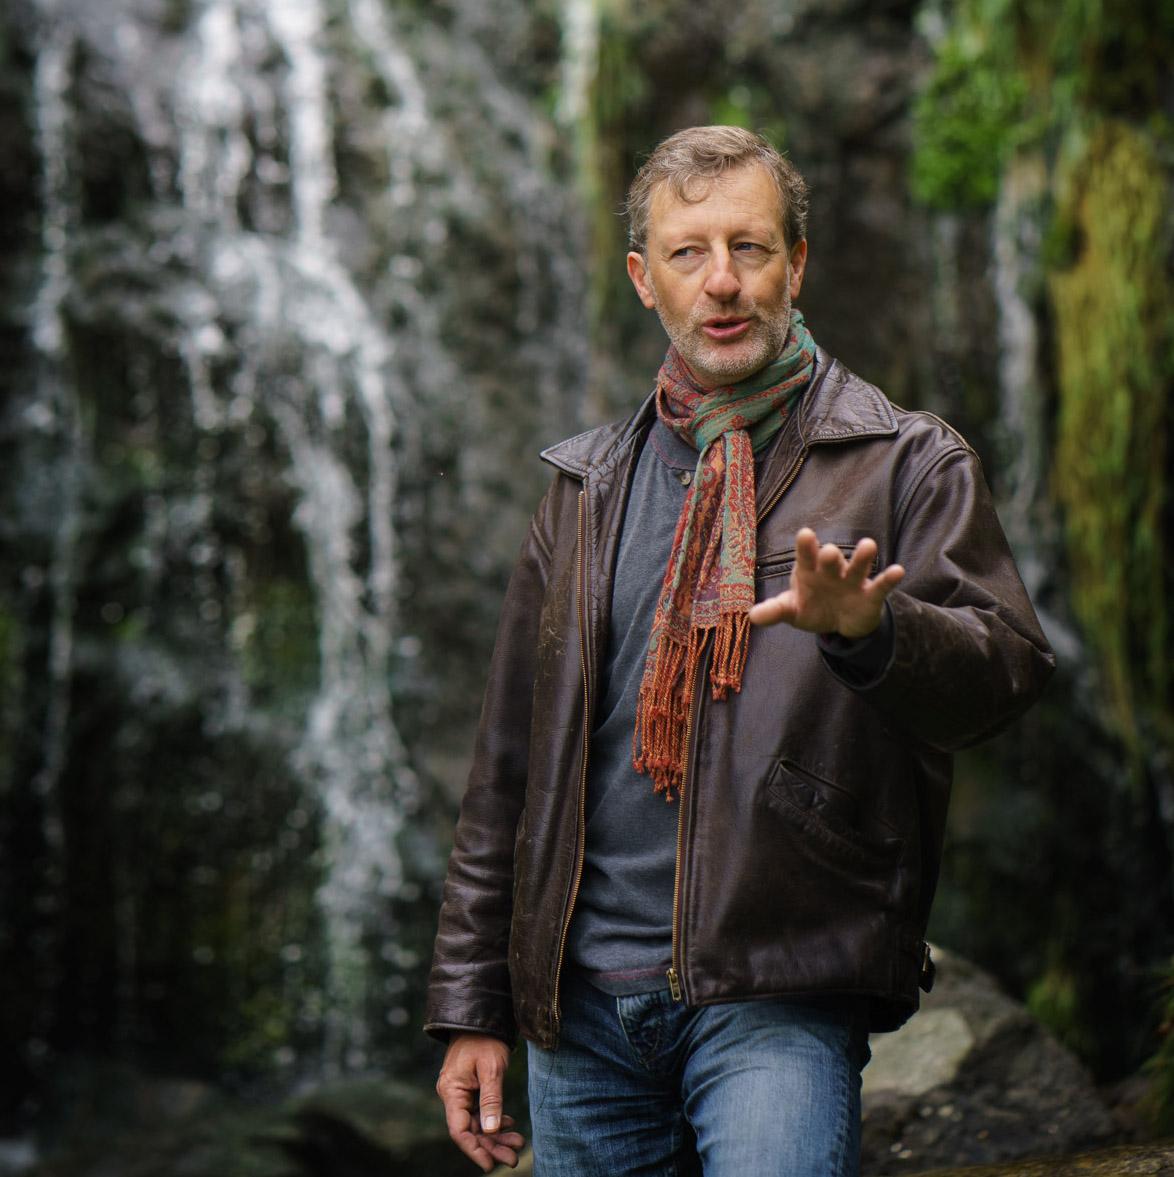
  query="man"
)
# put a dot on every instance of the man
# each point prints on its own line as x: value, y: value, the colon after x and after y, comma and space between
x: 695, y: 860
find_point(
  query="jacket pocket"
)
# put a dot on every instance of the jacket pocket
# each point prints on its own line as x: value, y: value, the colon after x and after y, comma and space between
x: 780, y: 562
x: 826, y: 816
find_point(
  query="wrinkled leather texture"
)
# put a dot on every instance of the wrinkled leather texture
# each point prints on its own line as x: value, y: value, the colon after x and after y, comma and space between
x: 814, y: 811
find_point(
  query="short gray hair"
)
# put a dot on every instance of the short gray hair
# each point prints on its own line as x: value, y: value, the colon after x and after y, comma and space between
x: 703, y: 153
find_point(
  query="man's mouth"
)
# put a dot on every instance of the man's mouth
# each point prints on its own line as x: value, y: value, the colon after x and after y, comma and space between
x: 724, y: 329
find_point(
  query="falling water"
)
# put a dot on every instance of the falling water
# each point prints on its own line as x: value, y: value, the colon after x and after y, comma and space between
x: 55, y: 413
x: 580, y: 51
x: 1016, y: 230
x: 289, y: 337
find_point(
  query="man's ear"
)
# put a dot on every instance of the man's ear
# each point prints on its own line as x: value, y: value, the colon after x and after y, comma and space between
x: 798, y: 266
x: 638, y: 272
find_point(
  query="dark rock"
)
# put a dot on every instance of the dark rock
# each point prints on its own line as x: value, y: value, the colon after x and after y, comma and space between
x: 357, y: 1128
x: 973, y: 1078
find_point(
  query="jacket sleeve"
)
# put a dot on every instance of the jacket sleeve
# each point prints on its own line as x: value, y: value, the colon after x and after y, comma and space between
x: 968, y: 654
x: 469, y: 986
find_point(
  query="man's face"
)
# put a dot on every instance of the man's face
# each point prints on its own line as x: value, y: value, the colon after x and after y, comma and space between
x: 718, y: 273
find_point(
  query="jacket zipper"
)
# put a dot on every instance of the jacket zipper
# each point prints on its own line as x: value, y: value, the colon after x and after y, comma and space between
x: 676, y: 989
x: 676, y: 965
x: 582, y: 817
x: 784, y: 486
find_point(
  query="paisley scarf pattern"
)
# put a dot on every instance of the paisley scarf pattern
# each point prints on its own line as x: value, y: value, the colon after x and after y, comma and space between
x: 709, y: 581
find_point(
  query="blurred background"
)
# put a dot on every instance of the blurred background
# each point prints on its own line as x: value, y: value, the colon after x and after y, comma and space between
x: 292, y: 293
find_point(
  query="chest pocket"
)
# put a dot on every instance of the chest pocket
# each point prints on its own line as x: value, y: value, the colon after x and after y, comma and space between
x: 780, y: 562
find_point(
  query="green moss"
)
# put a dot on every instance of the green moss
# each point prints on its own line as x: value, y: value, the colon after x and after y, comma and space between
x: 1111, y: 57
x: 1115, y: 361
x: 1054, y: 999
x: 1014, y: 71
x: 965, y: 123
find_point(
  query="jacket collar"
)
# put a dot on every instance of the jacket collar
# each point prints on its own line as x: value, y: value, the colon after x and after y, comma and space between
x: 838, y: 406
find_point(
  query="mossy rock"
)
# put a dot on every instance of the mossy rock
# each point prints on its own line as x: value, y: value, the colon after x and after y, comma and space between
x: 1156, y: 1159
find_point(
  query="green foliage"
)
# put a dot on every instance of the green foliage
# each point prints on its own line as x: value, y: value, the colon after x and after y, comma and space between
x: 965, y: 122
x: 1009, y: 72
x: 1114, y: 317
x: 1110, y: 57
x: 1055, y: 1000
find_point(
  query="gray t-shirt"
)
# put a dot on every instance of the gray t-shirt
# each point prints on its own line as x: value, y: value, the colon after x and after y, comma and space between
x: 622, y: 930
x: 621, y: 934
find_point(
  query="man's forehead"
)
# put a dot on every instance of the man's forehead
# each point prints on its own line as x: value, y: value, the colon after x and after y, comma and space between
x: 747, y: 191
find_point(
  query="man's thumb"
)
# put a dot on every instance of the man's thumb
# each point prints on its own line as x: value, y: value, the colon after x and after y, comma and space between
x: 489, y: 1100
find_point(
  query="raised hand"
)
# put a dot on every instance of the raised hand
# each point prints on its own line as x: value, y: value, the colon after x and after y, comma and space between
x: 828, y: 594
x: 470, y: 1087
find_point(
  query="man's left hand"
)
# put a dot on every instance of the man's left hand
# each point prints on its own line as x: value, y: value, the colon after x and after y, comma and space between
x: 829, y: 594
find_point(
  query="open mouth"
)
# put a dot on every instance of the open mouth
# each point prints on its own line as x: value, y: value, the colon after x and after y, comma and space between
x: 723, y: 330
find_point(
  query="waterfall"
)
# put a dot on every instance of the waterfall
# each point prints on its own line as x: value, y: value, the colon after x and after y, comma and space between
x: 55, y: 414
x: 351, y: 747
x: 580, y: 59
x: 356, y: 609
x: 1016, y: 252
x: 1017, y: 278
x: 293, y: 343
x: 307, y: 304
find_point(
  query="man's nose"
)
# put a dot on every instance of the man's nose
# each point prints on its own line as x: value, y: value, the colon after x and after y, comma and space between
x: 721, y: 281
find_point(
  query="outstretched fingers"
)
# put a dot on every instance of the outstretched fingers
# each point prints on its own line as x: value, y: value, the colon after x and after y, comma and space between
x: 884, y: 582
x: 857, y: 567
x: 806, y: 549
x: 829, y: 593
x: 773, y: 610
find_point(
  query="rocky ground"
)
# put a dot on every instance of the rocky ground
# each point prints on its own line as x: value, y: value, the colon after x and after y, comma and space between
x: 972, y: 1085
x: 974, y: 1079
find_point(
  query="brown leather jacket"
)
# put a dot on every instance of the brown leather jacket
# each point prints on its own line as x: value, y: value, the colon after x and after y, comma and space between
x: 812, y: 817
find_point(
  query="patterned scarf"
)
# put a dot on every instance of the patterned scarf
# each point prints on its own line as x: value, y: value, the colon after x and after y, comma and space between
x: 709, y: 581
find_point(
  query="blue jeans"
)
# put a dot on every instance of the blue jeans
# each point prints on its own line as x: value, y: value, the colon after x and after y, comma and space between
x: 645, y: 1085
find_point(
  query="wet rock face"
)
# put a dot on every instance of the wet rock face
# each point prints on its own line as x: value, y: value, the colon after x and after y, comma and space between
x: 973, y: 1079
x: 287, y: 295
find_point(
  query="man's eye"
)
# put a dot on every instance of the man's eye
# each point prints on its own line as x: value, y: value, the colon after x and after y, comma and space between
x: 684, y: 251
x: 747, y: 246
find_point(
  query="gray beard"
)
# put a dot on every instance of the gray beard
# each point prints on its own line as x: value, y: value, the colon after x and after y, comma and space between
x: 729, y: 369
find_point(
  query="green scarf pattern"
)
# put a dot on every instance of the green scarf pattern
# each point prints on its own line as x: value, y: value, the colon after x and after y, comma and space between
x: 709, y: 581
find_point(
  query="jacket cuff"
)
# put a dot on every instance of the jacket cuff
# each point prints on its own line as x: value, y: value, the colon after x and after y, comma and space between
x: 444, y: 1032
x: 860, y: 662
